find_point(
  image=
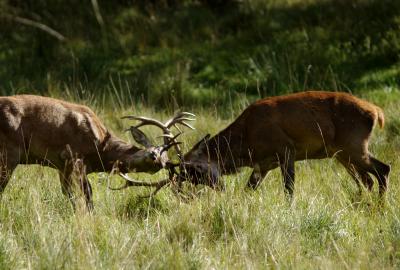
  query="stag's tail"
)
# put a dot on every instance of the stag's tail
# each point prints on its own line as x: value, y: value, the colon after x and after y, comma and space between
x: 373, y: 112
x: 381, y: 116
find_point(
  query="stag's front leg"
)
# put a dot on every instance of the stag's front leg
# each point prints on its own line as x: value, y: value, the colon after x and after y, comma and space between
x: 7, y: 166
x: 74, y: 178
x: 66, y: 185
x: 5, y: 174
x: 259, y: 173
x: 256, y: 177
x: 86, y: 188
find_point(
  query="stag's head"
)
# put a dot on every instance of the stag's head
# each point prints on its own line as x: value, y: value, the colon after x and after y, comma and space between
x: 152, y: 158
x: 197, y: 167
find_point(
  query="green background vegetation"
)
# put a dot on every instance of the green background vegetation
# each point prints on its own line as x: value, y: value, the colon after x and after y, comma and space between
x: 214, y: 58
x: 203, y: 52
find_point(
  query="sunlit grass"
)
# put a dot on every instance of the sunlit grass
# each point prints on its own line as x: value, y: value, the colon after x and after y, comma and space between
x: 327, y: 226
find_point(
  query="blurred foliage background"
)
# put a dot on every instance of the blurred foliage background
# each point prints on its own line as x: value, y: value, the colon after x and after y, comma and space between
x: 203, y: 52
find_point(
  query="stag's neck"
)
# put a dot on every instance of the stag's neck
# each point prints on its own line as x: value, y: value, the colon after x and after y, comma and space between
x: 114, y: 150
x: 228, y: 151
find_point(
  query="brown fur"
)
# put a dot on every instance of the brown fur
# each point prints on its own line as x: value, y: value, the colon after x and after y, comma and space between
x: 278, y: 131
x: 55, y: 133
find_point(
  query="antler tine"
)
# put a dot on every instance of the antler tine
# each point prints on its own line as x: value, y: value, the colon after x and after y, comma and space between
x: 158, y: 185
x: 187, y: 114
x: 180, y: 118
x: 183, y: 123
x: 177, y: 127
x: 133, y: 182
x: 171, y: 136
x: 168, y: 146
x: 148, y: 121
x: 175, y: 143
x: 171, y: 180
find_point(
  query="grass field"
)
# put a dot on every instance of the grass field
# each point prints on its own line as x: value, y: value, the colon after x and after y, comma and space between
x: 328, y: 226
x: 214, y: 61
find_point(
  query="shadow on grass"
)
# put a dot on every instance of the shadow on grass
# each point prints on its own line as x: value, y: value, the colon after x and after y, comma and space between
x: 141, y: 208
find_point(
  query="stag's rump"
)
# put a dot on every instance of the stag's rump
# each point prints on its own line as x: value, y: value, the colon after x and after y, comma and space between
x: 354, y: 120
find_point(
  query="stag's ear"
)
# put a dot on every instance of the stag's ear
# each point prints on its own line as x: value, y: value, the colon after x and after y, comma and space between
x: 140, y: 137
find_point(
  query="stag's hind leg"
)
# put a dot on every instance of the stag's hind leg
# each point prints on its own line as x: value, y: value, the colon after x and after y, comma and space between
x: 366, y: 163
x: 356, y: 150
x: 357, y: 174
x: 381, y: 171
x: 286, y: 161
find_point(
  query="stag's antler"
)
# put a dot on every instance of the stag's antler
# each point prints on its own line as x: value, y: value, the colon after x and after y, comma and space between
x: 170, y: 140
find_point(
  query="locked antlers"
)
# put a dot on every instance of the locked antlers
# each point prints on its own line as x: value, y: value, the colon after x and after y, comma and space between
x: 170, y: 140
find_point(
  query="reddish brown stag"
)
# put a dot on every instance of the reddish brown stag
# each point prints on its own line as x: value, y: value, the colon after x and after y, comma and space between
x: 278, y: 131
x: 72, y: 139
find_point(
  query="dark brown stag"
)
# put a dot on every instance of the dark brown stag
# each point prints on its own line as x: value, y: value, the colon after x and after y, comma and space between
x: 72, y: 139
x: 280, y: 130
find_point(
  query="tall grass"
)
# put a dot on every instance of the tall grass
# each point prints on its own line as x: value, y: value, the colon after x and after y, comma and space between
x: 152, y: 62
x: 328, y: 225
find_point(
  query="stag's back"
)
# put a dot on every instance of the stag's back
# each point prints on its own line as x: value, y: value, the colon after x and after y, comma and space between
x: 42, y: 125
x: 309, y: 121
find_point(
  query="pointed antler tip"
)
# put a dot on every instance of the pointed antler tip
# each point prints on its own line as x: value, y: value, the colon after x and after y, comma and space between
x: 189, y: 113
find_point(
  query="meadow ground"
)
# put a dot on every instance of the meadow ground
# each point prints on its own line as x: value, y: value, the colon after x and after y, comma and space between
x: 328, y: 226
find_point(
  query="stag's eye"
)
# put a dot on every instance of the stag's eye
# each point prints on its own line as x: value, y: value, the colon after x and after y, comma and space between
x: 153, y: 156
